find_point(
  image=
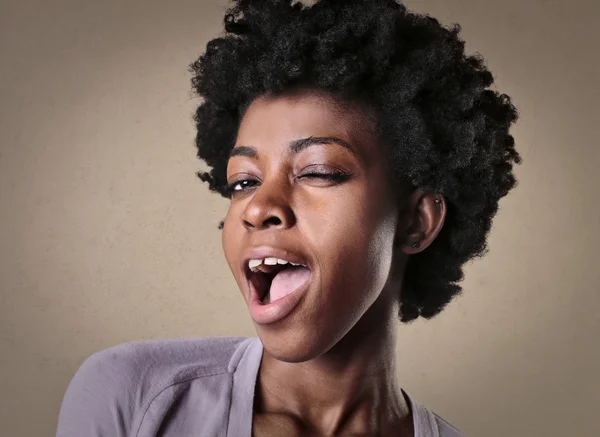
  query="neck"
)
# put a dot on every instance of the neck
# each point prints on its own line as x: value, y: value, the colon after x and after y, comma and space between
x: 351, y: 389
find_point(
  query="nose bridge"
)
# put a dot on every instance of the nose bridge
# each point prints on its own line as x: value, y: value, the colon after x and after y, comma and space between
x: 269, y: 203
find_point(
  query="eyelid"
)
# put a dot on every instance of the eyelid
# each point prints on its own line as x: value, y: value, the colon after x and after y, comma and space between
x: 318, y: 170
x: 326, y: 168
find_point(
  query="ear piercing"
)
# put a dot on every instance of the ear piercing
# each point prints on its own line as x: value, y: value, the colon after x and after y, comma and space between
x: 416, y: 244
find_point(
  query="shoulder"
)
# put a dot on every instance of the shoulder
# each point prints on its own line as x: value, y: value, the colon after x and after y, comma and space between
x: 167, y: 359
x: 112, y: 386
x: 147, y: 366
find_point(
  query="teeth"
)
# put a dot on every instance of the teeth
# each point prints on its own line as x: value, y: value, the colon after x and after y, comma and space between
x: 254, y: 264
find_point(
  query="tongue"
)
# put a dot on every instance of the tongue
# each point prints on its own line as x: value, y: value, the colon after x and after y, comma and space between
x: 287, y: 280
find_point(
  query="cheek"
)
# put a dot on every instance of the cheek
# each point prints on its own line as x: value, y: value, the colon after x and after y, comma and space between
x: 363, y: 261
x: 230, y: 242
x: 355, y: 266
x: 354, y: 239
x: 331, y: 218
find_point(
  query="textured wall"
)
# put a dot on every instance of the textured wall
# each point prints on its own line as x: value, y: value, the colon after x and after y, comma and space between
x: 107, y: 236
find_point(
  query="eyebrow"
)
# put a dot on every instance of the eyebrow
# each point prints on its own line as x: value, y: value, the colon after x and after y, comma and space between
x: 294, y: 147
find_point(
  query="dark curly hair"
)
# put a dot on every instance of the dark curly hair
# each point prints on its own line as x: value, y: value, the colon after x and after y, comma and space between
x: 442, y: 128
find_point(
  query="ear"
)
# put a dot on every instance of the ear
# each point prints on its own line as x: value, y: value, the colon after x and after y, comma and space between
x: 423, y: 218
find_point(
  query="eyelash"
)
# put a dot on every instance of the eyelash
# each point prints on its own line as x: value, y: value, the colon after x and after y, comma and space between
x: 336, y: 177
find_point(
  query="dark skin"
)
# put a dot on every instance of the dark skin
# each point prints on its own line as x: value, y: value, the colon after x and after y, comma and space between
x: 328, y: 367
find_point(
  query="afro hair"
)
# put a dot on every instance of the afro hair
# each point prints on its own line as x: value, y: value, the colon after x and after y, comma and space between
x: 442, y: 128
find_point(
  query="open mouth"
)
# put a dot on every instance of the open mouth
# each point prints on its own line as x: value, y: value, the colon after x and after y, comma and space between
x: 273, y: 282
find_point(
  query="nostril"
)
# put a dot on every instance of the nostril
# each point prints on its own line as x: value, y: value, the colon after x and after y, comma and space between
x: 270, y: 220
x: 274, y: 219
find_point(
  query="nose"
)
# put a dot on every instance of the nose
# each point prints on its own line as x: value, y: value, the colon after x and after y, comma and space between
x: 269, y: 207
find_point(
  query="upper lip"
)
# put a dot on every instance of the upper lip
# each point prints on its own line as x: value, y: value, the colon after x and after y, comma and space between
x: 261, y: 252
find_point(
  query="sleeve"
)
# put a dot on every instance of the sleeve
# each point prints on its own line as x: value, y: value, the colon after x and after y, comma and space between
x: 100, y: 399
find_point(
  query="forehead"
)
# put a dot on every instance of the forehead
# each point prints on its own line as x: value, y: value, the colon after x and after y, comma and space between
x: 278, y: 119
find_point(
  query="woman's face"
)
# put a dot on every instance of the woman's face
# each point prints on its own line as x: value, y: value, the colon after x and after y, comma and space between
x: 286, y: 202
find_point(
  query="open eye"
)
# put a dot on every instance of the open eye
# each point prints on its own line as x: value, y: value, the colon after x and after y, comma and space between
x: 240, y: 185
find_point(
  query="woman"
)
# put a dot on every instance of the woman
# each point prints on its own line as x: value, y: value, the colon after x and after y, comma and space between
x: 364, y: 157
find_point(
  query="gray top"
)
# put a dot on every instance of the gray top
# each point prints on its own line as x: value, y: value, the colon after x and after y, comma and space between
x: 179, y: 388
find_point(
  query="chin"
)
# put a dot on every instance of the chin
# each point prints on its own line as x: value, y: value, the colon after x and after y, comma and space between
x: 290, y: 353
x: 293, y: 346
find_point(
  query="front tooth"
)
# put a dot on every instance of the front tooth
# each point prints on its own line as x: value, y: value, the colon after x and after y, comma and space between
x: 254, y: 263
x: 270, y: 261
x: 281, y: 261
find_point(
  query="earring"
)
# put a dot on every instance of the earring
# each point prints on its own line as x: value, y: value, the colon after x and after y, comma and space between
x: 438, y: 201
x: 416, y: 244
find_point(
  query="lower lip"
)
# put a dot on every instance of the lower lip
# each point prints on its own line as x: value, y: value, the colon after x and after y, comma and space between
x: 272, y: 312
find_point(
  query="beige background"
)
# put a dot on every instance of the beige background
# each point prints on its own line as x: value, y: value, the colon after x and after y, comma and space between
x: 107, y: 236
